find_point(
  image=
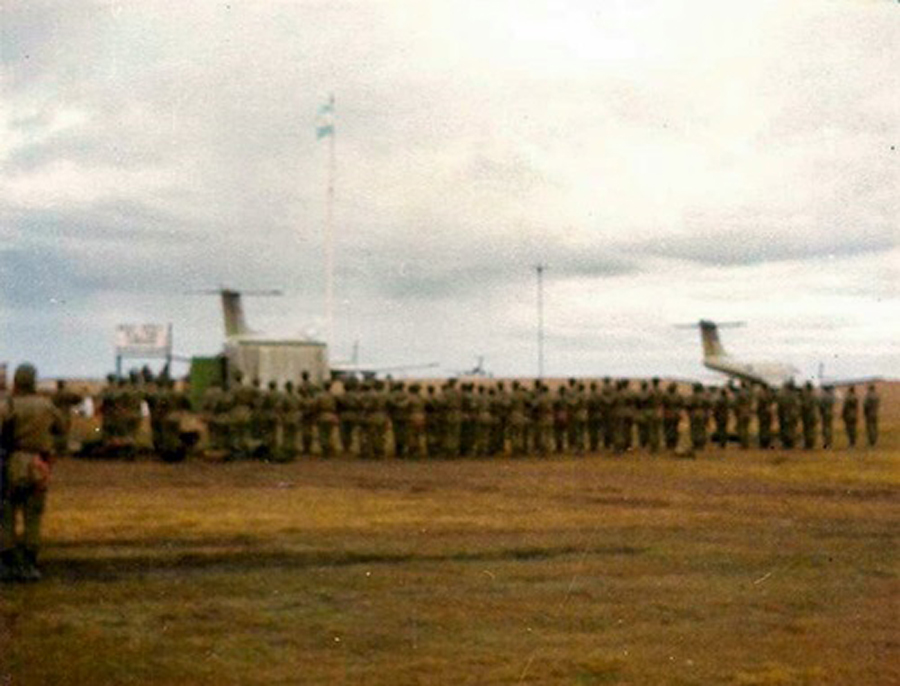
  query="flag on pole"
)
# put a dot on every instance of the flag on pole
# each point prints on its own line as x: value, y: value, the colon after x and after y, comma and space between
x: 325, y: 120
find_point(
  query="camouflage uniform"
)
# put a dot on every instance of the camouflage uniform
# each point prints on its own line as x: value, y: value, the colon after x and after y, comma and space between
x: 808, y: 416
x: 65, y: 401
x: 721, y: 407
x: 643, y: 410
x: 349, y: 414
x: 289, y: 419
x: 826, y: 415
x: 519, y: 411
x: 578, y: 417
x: 764, y: 416
x: 307, y: 397
x: 434, y: 422
x: 453, y: 419
x: 743, y: 410
x: 241, y: 403
x: 850, y: 415
x: 418, y: 441
x: 594, y: 417
x: 672, y: 404
x: 500, y: 409
x: 378, y: 420
x: 327, y: 421
x: 398, y: 409
x: 544, y: 419
x: 560, y: 419
x: 627, y: 410
x: 608, y: 413
x: 31, y: 429
x: 788, y: 415
x: 698, y: 413
x: 871, y: 403
x: 484, y: 420
x: 654, y: 421
x: 270, y: 427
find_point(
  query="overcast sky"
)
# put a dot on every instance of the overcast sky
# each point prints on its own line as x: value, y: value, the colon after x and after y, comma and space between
x: 667, y: 160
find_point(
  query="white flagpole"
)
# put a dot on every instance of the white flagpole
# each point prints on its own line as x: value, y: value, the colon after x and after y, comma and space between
x: 329, y: 233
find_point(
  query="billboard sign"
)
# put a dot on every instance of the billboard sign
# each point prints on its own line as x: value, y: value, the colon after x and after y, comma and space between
x: 143, y: 340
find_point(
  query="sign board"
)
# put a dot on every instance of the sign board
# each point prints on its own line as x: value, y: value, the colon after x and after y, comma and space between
x: 143, y: 340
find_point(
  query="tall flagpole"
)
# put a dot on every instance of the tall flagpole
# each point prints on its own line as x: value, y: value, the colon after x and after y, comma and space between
x: 329, y: 234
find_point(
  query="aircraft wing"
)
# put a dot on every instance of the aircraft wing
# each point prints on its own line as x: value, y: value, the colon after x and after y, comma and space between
x: 367, y: 370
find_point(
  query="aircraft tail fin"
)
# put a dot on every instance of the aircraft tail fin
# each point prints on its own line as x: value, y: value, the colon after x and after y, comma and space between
x: 233, y: 313
x: 709, y: 336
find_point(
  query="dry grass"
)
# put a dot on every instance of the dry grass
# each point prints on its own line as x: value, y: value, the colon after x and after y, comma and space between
x: 749, y: 569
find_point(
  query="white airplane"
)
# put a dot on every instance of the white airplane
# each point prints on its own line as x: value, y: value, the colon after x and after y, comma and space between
x: 238, y: 335
x: 767, y: 373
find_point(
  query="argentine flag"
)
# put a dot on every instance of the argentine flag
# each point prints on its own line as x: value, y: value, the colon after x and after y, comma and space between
x: 325, y: 120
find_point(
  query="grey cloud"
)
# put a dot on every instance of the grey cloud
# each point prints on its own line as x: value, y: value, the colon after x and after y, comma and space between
x: 124, y: 247
x: 447, y: 268
x: 735, y: 247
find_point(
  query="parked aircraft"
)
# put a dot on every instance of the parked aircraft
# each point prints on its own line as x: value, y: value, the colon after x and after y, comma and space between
x: 766, y: 373
x: 477, y: 372
x: 238, y: 336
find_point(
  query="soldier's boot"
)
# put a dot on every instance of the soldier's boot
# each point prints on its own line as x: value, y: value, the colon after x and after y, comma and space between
x: 9, y: 571
x: 29, y: 569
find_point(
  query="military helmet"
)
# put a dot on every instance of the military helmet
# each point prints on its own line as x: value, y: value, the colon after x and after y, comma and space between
x: 25, y: 378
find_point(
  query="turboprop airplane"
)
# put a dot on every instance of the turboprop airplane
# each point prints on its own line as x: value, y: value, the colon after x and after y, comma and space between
x: 287, y: 352
x: 769, y: 373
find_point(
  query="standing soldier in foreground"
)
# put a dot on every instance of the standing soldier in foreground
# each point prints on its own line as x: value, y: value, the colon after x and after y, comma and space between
x: 850, y: 415
x: 870, y: 412
x: 30, y: 427
x: 826, y: 414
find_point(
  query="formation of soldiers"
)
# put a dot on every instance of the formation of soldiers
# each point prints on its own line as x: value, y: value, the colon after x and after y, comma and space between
x: 122, y: 406
x: 375, y: 418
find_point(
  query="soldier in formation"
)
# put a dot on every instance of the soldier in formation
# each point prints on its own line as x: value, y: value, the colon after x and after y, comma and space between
x: 373, y: 419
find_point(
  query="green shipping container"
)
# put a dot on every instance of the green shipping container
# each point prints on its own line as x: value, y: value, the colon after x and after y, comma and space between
x: 205, y: 372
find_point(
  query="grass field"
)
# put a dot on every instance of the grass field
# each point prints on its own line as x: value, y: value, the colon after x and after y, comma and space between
x: 745, y: 568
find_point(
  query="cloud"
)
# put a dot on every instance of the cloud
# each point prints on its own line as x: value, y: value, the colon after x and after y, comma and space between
x: 660, y: 158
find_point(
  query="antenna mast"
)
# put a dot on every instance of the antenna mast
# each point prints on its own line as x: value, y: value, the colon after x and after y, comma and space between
x: 540, y: 314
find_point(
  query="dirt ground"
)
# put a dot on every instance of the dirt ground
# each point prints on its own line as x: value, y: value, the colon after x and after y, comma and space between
x: 745, y: 568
